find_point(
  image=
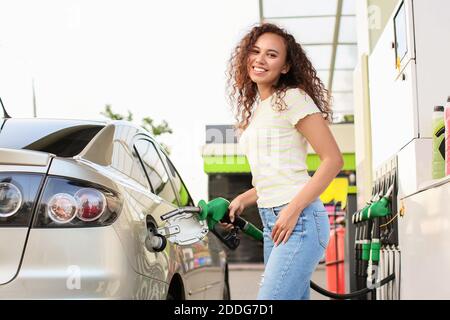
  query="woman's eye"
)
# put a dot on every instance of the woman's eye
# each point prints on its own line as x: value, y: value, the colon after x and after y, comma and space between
x: 272, y: 55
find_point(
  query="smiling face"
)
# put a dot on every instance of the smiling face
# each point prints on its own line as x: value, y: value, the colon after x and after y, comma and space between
x: 267, y: 60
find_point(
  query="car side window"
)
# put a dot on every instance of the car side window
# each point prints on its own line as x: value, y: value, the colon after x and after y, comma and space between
x: 126, y: 162
x: 180, y: 187
x: 156, y: 173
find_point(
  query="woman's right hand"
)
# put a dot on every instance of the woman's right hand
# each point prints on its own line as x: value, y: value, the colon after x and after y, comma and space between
x: 246, y: 199
x: 235, y: 208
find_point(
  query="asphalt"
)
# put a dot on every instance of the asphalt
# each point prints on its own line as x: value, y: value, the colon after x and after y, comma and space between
x: 245, y: 278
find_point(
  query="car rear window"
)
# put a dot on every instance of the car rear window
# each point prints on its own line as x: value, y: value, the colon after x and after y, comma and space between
x: 62, y: 138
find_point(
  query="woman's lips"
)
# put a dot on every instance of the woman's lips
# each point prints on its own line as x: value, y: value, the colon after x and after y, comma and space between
x: 258, y: 71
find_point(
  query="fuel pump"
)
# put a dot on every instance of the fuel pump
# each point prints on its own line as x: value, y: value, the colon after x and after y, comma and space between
x: 377, y: 210
x: 362, y: 245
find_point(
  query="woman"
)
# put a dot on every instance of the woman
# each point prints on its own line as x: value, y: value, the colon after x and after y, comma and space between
x: 280, y: 105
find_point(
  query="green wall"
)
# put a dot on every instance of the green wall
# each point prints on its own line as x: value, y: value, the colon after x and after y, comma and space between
x: 239, y: 164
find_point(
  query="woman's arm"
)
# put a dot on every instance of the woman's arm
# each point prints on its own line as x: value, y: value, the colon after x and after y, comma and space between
x: 316, y: 130
x: 249, y: 197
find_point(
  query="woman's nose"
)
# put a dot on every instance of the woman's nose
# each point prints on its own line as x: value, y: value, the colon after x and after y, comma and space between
x: 260, y: 59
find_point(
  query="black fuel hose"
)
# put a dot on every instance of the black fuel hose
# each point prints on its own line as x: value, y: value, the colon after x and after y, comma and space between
x: 350, y: 295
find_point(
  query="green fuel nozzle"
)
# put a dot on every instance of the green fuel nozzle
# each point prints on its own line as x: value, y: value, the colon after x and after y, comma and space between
x: 376, y: 212
x: 362, y: 215
x: 216, y: 211
x: 381, y: 207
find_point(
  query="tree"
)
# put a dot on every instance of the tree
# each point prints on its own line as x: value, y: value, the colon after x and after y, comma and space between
x: 147, y: 123
x: 116, y: 116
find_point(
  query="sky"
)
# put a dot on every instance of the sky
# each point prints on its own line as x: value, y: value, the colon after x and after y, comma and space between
x: 162, y: 59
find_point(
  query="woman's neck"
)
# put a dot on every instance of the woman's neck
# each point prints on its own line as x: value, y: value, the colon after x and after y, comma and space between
x: 265, y: 91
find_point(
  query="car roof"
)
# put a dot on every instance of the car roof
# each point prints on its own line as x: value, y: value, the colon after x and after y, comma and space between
x: 37, y: 133
x: 51, y: 121
x: 55, y: 124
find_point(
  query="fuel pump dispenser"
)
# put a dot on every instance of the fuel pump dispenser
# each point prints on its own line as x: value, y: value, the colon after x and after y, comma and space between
x: 378, y: 210
x: 377, y: 253
x: 363, y: 239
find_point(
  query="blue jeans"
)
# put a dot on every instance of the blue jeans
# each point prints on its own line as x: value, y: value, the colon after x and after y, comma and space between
x: 289, y: 266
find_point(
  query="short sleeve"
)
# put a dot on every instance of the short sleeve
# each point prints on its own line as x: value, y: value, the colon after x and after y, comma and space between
x: 299, y: 105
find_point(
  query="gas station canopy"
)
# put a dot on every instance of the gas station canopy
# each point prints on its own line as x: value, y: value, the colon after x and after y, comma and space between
x: 327, y: 31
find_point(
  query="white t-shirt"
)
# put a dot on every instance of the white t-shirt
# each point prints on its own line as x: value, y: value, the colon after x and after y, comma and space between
x: 275, y: 150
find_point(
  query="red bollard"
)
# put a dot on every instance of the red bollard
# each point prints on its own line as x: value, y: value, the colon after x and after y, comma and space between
x: 334, y: 261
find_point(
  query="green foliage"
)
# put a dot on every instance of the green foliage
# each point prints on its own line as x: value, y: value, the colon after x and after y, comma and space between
x: 349, y: 118
x: 116, y: 116
x: 147, y: 123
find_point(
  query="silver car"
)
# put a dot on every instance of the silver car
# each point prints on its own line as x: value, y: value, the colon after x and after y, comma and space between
x: 81, y: 207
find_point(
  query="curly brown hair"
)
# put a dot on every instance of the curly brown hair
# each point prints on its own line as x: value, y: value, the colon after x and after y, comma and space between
x: 243, y: 92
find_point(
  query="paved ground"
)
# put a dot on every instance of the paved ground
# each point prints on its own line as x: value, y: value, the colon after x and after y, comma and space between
x: 244, y: 281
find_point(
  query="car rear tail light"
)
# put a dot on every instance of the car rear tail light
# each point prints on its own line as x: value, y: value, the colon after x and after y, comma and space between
x: 62, y: 208
x: 91, y: 202
x: 70, y: 203
x: 10, y: 199
x: 18, y: 197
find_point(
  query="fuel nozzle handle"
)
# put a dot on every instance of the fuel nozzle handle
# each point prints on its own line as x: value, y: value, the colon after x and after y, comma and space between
x: 363, y: 214
x: 247, y: 227
x: 381, y: 207
x: 216, y: 211
x: 389, y: 191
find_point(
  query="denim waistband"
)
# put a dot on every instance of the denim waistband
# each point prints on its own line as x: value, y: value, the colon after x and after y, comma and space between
x: 282, y: 205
